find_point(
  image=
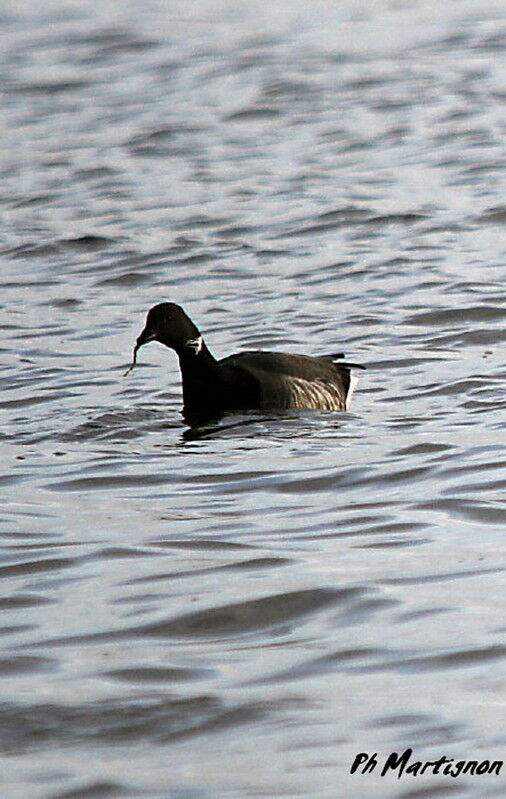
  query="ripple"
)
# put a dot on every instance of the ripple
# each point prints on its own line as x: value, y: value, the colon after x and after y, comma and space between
x: 35, y: 566
x: 458, y: 658
x: 50, y: 87
x: 254, y: 112
x: 163, y: 720
x: 444, y: 316
x: 161, y: 674
x: 277, y: 612
x: 242, y: 565
x: 25, y: 664
x: 246, y: 617
x: 95, y: 790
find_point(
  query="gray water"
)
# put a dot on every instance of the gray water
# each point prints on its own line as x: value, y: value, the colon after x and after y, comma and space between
x: 238, y: 611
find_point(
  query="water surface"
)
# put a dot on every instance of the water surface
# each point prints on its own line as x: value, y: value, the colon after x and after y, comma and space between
x: 238, y: 611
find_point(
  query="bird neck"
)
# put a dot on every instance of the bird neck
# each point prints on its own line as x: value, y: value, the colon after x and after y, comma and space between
x: 199, y: 367
x: 201, y: 378
x: 194, y: 355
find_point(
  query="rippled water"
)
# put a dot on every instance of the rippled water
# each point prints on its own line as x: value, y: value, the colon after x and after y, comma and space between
x: 239, y: 610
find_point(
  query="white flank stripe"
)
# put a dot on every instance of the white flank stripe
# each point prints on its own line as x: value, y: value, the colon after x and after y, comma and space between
x: 353, y: 383
x: 313, y: 394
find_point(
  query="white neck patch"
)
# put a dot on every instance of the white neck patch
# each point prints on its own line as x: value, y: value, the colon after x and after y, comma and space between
x: 195, y: 344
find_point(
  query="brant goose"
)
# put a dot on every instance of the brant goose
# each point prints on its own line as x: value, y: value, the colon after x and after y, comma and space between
x: 249, y: 380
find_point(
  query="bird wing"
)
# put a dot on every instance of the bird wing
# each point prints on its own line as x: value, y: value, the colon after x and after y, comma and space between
x: 293, y: 380
x: 290, y: 364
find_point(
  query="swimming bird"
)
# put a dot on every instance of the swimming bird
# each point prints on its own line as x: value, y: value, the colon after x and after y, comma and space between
x: 250, y: 380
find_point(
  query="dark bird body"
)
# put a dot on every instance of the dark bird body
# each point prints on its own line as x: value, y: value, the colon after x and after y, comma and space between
x: 250, y: 380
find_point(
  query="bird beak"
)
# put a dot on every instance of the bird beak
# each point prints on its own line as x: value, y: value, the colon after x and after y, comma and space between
x: 145, y: 336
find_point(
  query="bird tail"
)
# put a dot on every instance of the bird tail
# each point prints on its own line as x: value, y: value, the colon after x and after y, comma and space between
x: 348, y: 365
x: 336, y: 356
